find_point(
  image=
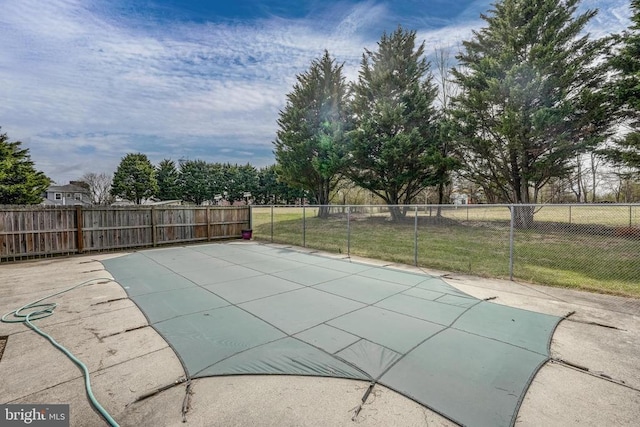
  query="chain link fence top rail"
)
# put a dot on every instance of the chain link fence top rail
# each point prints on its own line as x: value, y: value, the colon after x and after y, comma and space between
x: 588, y: 246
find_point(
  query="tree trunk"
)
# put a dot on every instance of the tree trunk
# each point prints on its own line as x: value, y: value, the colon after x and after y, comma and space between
x: 397, y: 213
x: 323, y: 200
x: 393, y: 201
x: 323, y: 211
x: 523, y: 216
x: 440, y: 199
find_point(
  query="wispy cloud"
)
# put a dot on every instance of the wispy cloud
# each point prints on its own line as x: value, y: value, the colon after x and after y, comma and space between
x: 82, y: 84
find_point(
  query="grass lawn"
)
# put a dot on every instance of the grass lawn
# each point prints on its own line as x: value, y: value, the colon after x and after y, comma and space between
x: 480, y: 246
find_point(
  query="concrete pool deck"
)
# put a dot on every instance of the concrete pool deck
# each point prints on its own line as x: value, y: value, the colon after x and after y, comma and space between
x: 129, y: 360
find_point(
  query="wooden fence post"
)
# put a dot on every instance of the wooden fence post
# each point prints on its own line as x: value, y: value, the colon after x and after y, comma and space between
x: 79, y: 225
x: 208, y: 224
x: 154, y: 228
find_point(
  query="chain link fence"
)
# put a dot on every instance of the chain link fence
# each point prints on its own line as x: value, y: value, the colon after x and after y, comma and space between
x: 587, y: 246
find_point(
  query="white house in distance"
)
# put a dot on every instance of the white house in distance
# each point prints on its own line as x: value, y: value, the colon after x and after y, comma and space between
x: 459, y: 198
x: 69, y: 194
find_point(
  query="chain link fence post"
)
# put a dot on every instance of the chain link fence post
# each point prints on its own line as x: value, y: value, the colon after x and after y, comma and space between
x: 349, y: 231
x: 569, y: 214
x: 415, y: 238
x: 271, y: 223
x: 511, y: 239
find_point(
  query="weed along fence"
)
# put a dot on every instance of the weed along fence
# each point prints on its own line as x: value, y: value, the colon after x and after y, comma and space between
x: 42, y: 231
x: 586, y: 246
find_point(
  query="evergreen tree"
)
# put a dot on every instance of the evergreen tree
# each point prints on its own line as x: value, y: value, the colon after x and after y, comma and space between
x: 273, y: 191
x: 218, y: 181
x: 267, y: 183
x: 135, y: 178
x: 626, y: 63
x: 168, y: 180
x: 310, y: 144
x: 246, y: 180
x: 232, y: 187
x: 195, y: 181
x: 394, y: 149
x: 531, y: 98
x: 20, y: 182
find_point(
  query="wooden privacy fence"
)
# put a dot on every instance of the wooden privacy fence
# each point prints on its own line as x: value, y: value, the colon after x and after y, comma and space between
x: 40, y: 231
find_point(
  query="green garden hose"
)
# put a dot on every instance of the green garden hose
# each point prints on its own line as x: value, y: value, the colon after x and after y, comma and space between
x: 39, y: 310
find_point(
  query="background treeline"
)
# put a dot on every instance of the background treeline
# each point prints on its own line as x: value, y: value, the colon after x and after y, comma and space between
x: 199, y: 182
x: 532, y: 109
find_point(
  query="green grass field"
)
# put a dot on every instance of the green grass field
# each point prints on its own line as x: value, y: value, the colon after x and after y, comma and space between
x: 572, y: 258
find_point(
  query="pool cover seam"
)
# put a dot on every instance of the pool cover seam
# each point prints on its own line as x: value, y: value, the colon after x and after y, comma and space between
x: 424, y: 340
x: 373, y: 305
x: 408, y: 287
x: 392, y: 311
x: 369, y: 267
x: 282, y: 331
x: 301, y: 262
x: 445, y: 303
x: 297, y: 339
x: 204, y: 287
x: 187, y: 372
x: 343, y: 314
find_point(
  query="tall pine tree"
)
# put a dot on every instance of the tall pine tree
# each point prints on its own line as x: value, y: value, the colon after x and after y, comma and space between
x: 626, y: 62
x: 310, y: 143
x: 196, y: 177
x: 531, y: 98
x: 394, y: 149
x: 168, y: 180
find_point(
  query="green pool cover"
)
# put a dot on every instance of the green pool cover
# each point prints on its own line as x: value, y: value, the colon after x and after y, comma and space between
x: 243, y: 308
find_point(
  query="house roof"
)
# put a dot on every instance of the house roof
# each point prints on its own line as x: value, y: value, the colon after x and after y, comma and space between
x: 69, y: 188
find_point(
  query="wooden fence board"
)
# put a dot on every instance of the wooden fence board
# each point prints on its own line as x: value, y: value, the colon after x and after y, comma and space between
x: 39, y: 231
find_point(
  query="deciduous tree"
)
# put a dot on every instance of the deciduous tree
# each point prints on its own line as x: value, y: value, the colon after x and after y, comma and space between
x: 99, y: 186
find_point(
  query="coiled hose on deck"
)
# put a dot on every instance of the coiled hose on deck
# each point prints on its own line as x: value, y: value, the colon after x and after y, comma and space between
x: 39, y: 310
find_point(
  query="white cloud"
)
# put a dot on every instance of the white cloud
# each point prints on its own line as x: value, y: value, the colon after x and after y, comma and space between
x: 613, y: 16
x: 82, y: 86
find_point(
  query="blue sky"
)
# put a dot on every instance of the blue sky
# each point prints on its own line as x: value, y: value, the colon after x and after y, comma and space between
x: 83, y: 82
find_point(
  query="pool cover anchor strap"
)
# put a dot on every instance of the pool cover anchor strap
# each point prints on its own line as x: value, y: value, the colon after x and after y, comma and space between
x: 186, y: 401
x: 159, y: 390
x: 364, y: 400
x: 588, y: 371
